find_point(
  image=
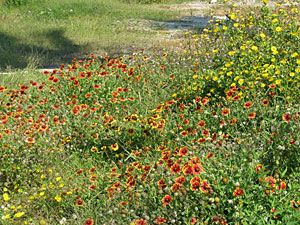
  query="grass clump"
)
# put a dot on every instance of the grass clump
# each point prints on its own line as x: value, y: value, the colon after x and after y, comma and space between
x: 167, y: 138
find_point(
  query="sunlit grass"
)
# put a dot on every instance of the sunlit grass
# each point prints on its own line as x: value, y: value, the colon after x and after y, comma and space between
x: 53, y: 31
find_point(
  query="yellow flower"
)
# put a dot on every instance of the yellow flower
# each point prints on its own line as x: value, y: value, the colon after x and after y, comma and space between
x: 294, y: 55
x: 6, y: 197
x: 19, y: 214
x: 254, y: 48
x: 292, y: 74
x: 262, y: 35
x: 273, y: 49
x: 6, y: 216
x: 229, y: 73
x: 228, y: 64
x: 278, y: 29
x: 275, y: 20
x: 283, y: 61
x: 114, y: 147
x: 278, y: 82
x: 58, y: 198
x: 241, y: 81
x: 195, y: 76
x: 94, y: 149
x: 243, y: 47
x: 231, y: 53
x: 42, y: 193
x: 265, y: 1
x: 232, y: 16
x: 216, y: 30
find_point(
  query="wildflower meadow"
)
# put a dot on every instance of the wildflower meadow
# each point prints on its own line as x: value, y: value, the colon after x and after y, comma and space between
x: 205, y: 133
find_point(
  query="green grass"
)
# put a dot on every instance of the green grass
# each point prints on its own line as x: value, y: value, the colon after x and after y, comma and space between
x: 49, y: 32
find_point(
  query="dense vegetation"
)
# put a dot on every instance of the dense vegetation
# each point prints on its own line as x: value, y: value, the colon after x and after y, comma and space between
x: 208, y: 134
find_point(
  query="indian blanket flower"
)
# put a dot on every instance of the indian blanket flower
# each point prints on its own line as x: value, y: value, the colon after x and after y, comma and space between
x: 204, y: 101
x: 180, y: 180
x: 265, y: 102
x: 93, y: 178
x: 187, y: 169
x: 209, y: 155
x: 79, y: 202
x: 201, y: 123
x: 161, y: 184
x: 251, y: 115
x: 140, y: 222
x: 205, y: 186
x: 238, y: 192
x: 282, y: 186
x: 193, y: 221
x: 258, y: 168
x: 195, y: 186
x: 89, y: 222
x: 175, y: 187
x: 225, y: 111
x: 175, y: 168
x: 30, y: 140
x: 287, y: 117
x: 114, y: 147
x: 197, y: 169
x: 2, y: 89
x: 184, y: 133
x: 271, y: 181
x: 247, y: 105
x: 92, y: 187
x: 195, y: 179
x: 205, y: 132
x: 166, y: 200
x: 160, y: 220
x: 183, y: 151
x: 94, y: 149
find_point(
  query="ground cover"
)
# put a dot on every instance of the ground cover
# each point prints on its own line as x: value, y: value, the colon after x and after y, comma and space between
x: 205, y: 134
